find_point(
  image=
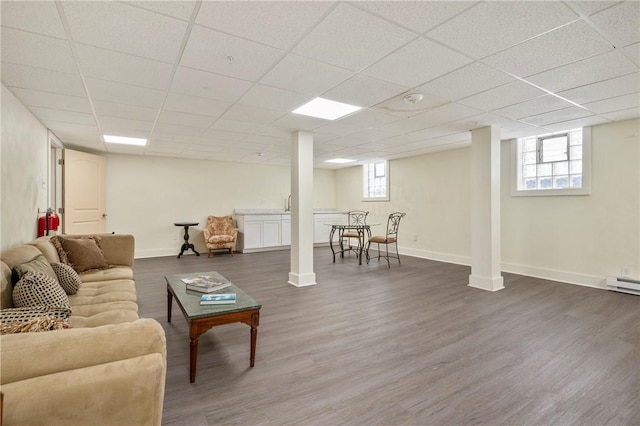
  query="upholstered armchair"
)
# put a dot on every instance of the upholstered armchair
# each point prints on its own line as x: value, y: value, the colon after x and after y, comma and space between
x: 220, y: 233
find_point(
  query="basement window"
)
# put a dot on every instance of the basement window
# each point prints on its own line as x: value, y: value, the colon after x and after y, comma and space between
x: 552, y: 164
x: 375, y: 181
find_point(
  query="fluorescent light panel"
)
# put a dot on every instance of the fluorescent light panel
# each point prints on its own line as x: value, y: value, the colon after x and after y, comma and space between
x: 324, y: 108
x: 340, y: 160
x: 124, y: 140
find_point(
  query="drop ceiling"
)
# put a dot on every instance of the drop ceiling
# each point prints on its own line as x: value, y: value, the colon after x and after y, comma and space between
x: 218, y: 80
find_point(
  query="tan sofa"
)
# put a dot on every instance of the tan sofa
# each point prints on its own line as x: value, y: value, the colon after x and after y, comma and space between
x: 109, y: 368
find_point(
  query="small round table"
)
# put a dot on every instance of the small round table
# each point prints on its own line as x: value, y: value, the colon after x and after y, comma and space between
x: 186, y: 245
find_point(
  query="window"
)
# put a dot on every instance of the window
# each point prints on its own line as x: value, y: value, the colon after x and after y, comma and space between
x: 375, y: 181
x: 552, y: 164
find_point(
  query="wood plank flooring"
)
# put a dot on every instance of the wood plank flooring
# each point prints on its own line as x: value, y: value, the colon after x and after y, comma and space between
x: 409, y: 345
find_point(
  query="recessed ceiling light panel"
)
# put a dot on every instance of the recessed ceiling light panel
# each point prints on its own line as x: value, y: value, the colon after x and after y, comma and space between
x: 124, y: 140
x: 340, y: 160
x: 326, y: 109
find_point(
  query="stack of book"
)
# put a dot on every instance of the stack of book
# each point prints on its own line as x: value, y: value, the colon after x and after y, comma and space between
x: 206, y: 283
x: 218, y: 299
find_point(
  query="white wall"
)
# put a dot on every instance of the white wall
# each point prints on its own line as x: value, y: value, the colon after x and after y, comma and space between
x: 146, y: 195
x: 577, y: 239
x: 580, y: 239
x: 24, y: 151
x: 434, y: 192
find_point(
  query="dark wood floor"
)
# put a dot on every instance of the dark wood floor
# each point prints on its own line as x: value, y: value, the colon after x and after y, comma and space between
x: 410, y: 345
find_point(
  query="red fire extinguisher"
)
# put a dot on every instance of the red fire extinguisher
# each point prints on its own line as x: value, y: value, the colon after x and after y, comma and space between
x: 48, y: 223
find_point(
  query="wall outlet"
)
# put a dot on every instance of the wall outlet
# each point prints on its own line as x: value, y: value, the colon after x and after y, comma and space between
x: 415, y: 237
x: 625, y: 271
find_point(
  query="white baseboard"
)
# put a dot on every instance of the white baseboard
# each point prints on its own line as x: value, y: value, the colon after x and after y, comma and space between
x: 432, y: 255
x: 143, y: 254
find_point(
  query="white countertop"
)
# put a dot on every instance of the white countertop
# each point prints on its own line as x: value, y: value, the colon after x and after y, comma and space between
x: 279, y: 211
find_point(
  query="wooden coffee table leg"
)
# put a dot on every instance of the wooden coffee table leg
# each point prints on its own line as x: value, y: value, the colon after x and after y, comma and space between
x: 255, y: 320
x: 169, y: 304
x: 193, y: 354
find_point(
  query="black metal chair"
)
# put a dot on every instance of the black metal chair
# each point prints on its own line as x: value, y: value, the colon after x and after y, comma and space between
x: 355, y: 217
x: 391, y: 237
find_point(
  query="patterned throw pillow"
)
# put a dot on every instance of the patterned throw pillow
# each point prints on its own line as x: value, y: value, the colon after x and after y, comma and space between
x: 38, y: 289
x: 26, y: 314
x: 67, y: 277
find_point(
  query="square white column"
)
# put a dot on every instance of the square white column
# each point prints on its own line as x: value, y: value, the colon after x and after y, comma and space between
x: 302, y: 210
x: 485, y: 209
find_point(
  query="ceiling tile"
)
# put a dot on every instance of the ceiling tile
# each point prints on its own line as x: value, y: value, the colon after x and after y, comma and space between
x: 566, y: 114
x: 633, y: 50
x: 123, y: 127
x: 39, y: 17
x: 195, y: 105
x: 67, y: 131
x: 114, y: 148
x: 304, y: 75
x: 519, y: 130
x: 130, y: 112
x: 273, y: 98
x: 181, y: 9
x: 414, y: 63
x: 372, y: 134
x: 534, y: 106
x: 466, y: 81
x: 623, y: 115
x: 362, y: 38
x: 279, y: 24
x: 492, y: 26
x: 617, y: 86
x: 52, y: 100
x: 502, y: 96
x: 364, y: 91
x: 207, y: 85
x: 124, y: 28
x: 419, y: 16
x: 193, y: 120
x: 588, y: 71
x: 43, y: 80
x: 550, y: 50
x: 216, y: 134
x: 167, y: 130
x: 367, y: 118
x: 123, y: 93
x: 577, y: 123
x: 295, y: 122
x: 122, y: 68
x: 235, y: 126
x: 620, y: 22
x: 50, y: 114
x: 211, y: 50
x: 252, y: 114
x: 615, y: 104
x: 446, y: 113
x: 404, y: 126
x: 399, y: 106
x: 337, y: 127
x: 271, y: 141
x: 20, y: 47
x: 590, y: 7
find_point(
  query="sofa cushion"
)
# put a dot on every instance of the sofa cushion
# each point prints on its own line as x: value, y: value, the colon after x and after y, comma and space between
x: 115, y: 273
x: 38, y: 289
x: 67, y: 277
x: 34, y: 325
x: 29, y: 313
x: 84, y: 254
x: 38, y: 263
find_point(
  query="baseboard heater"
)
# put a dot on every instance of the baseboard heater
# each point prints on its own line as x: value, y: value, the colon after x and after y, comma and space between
x: 625, y: 285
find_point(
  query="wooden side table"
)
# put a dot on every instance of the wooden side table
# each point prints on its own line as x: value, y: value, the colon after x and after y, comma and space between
x: 186, y: 245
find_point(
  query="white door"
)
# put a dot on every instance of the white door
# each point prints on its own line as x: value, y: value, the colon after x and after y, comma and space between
x: 83, y: 197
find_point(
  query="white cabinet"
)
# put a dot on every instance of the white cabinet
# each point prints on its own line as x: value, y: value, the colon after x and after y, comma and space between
x: 271, y: 232
x: 262, y: 232
x: 286, y: 230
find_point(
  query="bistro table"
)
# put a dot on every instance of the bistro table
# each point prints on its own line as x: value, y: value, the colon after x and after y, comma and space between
x: 361, y: 229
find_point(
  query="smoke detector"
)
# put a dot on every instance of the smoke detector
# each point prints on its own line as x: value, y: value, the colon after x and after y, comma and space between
x: 413, y: 98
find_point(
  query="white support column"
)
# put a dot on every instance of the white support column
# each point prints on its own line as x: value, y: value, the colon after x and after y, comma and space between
x: 485, y: 209
x: 302, y: 210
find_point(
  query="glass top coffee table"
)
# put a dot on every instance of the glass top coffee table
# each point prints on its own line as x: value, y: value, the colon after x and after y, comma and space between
x: 202, y: 318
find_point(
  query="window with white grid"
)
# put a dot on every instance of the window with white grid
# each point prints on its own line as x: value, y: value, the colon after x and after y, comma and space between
x: 375, y: 181
x: 553, y: 164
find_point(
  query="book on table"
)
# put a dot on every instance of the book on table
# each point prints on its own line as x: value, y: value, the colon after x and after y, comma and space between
x: 218, y: 299
x: 206, y: 283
